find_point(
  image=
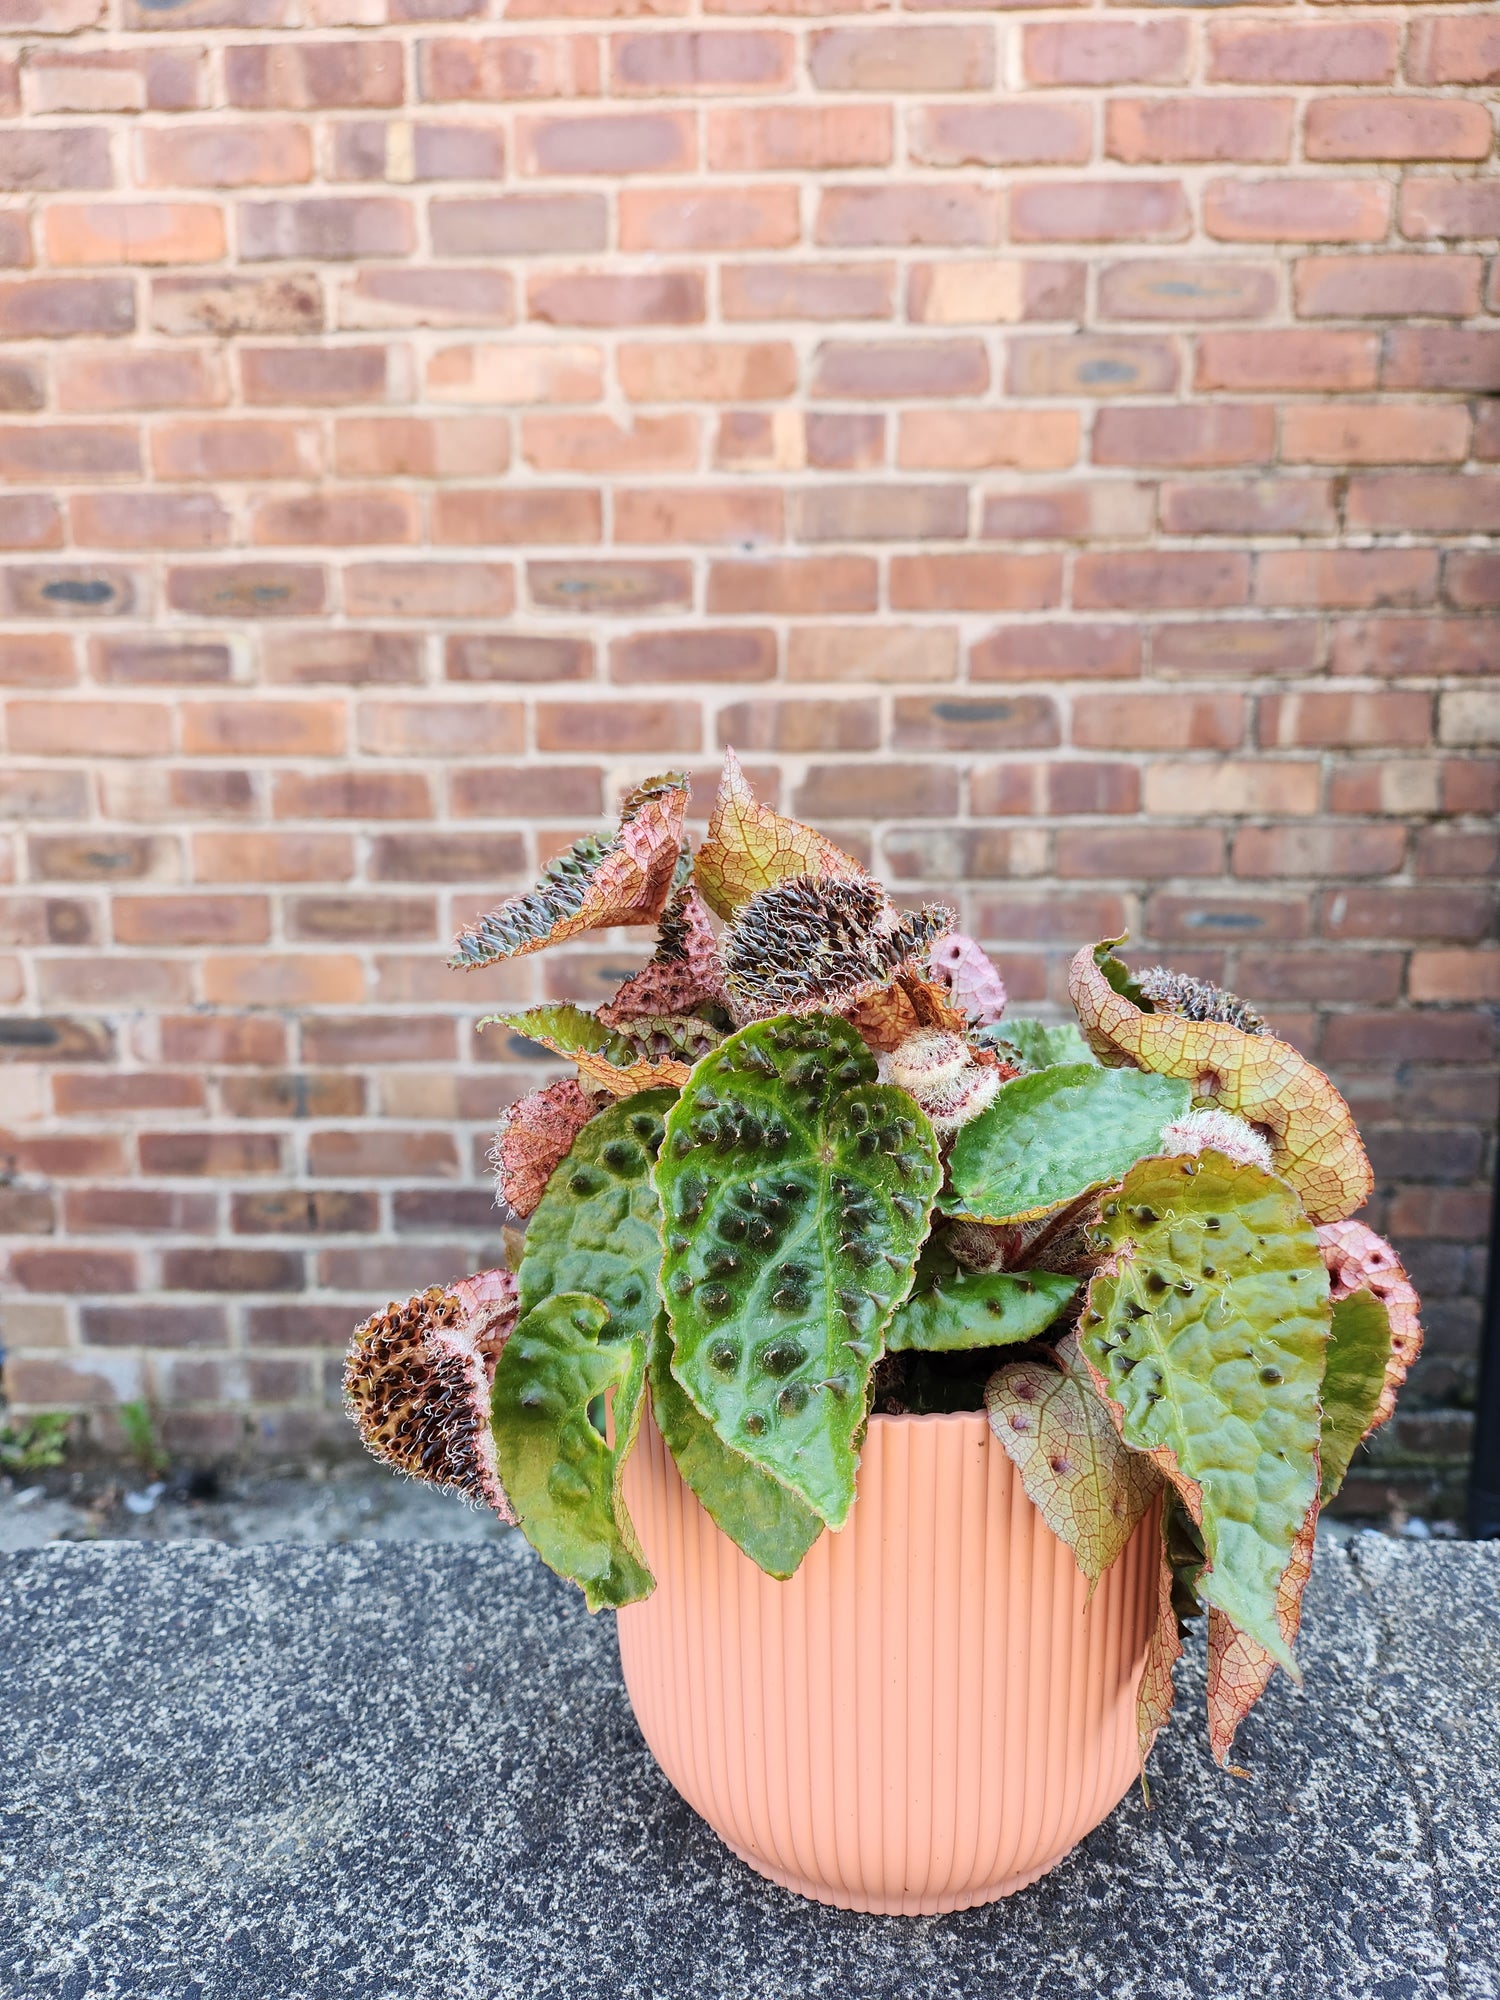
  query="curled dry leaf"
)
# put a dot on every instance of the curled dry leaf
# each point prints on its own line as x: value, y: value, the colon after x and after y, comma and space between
x: 971, y: 978
x: 749, y: 848
x: 884, y: 1019
x: 1359, y: 1260
x: 534, y: 1135
x: 417, y: 1383
x: 1089, y: 1488
x: 623, y: 878
x: 1239, y: 1670
x: 625, y: 1079
x: 683, y: 973
x: 1313, y: 1138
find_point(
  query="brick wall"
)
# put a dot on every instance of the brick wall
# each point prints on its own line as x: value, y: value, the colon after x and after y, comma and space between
x: 1051, y: 444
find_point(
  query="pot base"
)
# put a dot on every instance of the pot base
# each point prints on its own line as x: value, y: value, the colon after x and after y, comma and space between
x: 928, y: 1715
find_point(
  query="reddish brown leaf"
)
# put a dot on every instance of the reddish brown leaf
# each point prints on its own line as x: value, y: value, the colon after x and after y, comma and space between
x: 534, y: 1135
x: 1153, y: 1702
x: 1359, y: 1260
x: 684, y: 972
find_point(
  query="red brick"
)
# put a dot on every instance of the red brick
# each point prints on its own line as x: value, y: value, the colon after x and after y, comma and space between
x: 150, y: 520
x: 343, y: 657
x: 1103, y: 52
x: 709, y: 653
x: 272, y: 154
x: 235, y: 449
x: 429, y: 590
x: 43, y: 659
x: 72, y: 1268
x: 1186, y: 289
x: 1095, y: 510
x: 806, y: 291
x: 1384, y: 287
x: 147, y: 379
x: 1454, y: 48
x: 1055, y: 651
x: 22, y: 386
x: 490, y: 791
x: 1288, y: 210
x: 96, y: 728
x: 314, y: 76
x: 796, y: 727
x: 288, y: 302
x: 68, y: 451
x: 398, y: 297
x: 865, y: 790
x: 609, y: 589
x: 672, y: 62
x: 1302, y: 52
x: 979, y: 440
x: 975, y: 582
x: 1140, y: 130
x: 166, y: 662
x: 619, y: 727
x: 315, y: 375
x: 1141, y: 853
x: 1114, y: 211
x: 1017, y: 133
x: 871, y: 654
x: 1397, y: 128
x: 1426, y: 503
x: 1345, y: 721
x: 1472, y: 579
x: 908, y: 213
x: 794, y: 587
x: 733, y: 516
x: 142, y: 232
x: 533, y: 514
x: 516, y: 657
x: 1143, y: 581
x: 600, y: 445
x: 799, y: 137
x: 325, y: 227
x: 384, y: 1154
x: 1185, y: 434
x: 997, y: 722
x: 1293, y: 358
x: 746, y: 218
x: 516, y: 372
x: 909, y: 368
x: 880, y: 513
x: 598, y: 298
x: 421, y: 447
x: 1158, y: 721
x: 29, y: 521
x: 622, y: 142
x: 1249, y: 507
x: 432, y: 150
x: 214, y: 1153
x: 351, y: 794
x: 707, y: 371
x: 104, y: 80
x: 1374, y: 433
x: 1442, y: 357
x: 899, y: 58
x: 498, y: 69
x: 1400, y: 646
x: 1065, y: 365
x: 519, y: 225
x: 248, y: 590
x: 1359, y: 579
x: 46, y: 161
x: 1438, y: 208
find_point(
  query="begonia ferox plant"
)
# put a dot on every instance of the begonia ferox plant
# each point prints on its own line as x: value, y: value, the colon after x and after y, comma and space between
x: 808, y: 1171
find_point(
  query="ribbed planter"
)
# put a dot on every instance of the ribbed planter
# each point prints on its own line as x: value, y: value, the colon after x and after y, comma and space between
x: 928, y: 1715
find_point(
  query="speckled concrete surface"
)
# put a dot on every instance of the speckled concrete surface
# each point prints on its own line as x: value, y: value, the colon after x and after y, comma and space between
x: 407, y: 1772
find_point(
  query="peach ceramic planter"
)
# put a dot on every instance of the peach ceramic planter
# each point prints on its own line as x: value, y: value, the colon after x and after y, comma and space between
x: 928, y: 1715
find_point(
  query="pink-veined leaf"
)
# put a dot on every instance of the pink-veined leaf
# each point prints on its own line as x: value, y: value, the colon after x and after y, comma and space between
x: 534, y: 1135
x: 1359, y: 1260
x: 1313, y: 1139
x: 749, y: 847
x: 971, y: 977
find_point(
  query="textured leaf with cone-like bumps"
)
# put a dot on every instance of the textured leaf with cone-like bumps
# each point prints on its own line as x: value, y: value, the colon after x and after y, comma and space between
x: 816, y: 942
x: 417, y: 1383
x: 1207, y: 1332
x: 562, y: 1476
x: 1312, y: 1132
x: 748, y: 847
x: 1053, y: 1135
x: 684, y: 971
x: 605, y: 879
x: 759, y: 1515
x: 796, y: 1191
x: 1359, y: 1349
x: 963, y: 1309
x: 1089, y: 1488
x: 596, y: 1229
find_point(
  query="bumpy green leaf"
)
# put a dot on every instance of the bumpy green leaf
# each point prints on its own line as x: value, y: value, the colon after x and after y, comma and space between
x: 1052, y: 1136
x: 979, y: 1309
x: 596, y: 1228
x: 1038, y: 1044
x: 757, y: 1512
x: 1208, y: 1332
x: 1358, y: 1350
x: 562, y: 1478
x: 1089, y: 1488
x: 796, y: 1192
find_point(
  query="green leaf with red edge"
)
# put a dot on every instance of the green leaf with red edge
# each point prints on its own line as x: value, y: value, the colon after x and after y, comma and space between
x: 1089, y: 1488
x: 1359, y: 1350
x: 1239, y: 1669
x: 1359, y: 1260
x: 749, y: 847
x: 1207, y: 1331
x: 1310, y: 1128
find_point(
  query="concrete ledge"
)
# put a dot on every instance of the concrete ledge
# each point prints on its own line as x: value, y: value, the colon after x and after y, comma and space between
x: 287, y: 1773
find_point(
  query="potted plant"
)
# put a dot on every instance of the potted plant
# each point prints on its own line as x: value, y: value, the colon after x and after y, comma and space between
x: 902, y: 1372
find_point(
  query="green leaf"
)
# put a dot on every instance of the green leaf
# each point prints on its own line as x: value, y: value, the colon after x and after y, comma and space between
x: 796, y: 1192
x: 562, y: 1478
x: 1358, y: 1350
x: 1038, y: 1044
x: 596, y: 1229
x: 757, y: 1512
x: 1089, y: 1488
x: 1050, y: 1137
x: 565, y: 1030
x: 1209, y: 1335
x: 979, y: 1309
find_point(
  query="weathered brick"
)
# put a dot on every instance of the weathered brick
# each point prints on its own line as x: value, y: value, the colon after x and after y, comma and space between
x: 1397, y: 128
x: 119, y: 383
x: 621, y: 142
x: 517, y: 372
x: 794, y: 587
x: 900, y: 368
x: 1302, y: 52
x: 404, y: 589
x: 1255, y: 129
x: 1211, y: 434
x: 1382, y: 287
x: 518, y: 225
x: 975, y: 582
x: 614, y: 589
x: 1186, y: 579
x: 744, y: 218
x: 872, y: 217
x: 795, y: 138
x: 45, y: 161
x: 1180, y: 289
x: 1292, y: 210
x: 400, y: 297
x: 891, y: 58
x: 59, y: 308
x: 596, y: 298
x: 1293, y: 358
x: 673, y: 61
x: 1374, y: 433
x: 496, y: 69
x: 807, y: 291
x: 708, y: 653
x: 275, y: 154
x: 1106, y: 211
x: 707, y: 371
x: 1104, y: 52
x: 325, y: 227
x: 1089, y: 365
x: 734, y: 517
x: 978, y: 440
x: 289, y: 302
x: 1354, y: 578
x: 880, y: 513
x: 314, y: 76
